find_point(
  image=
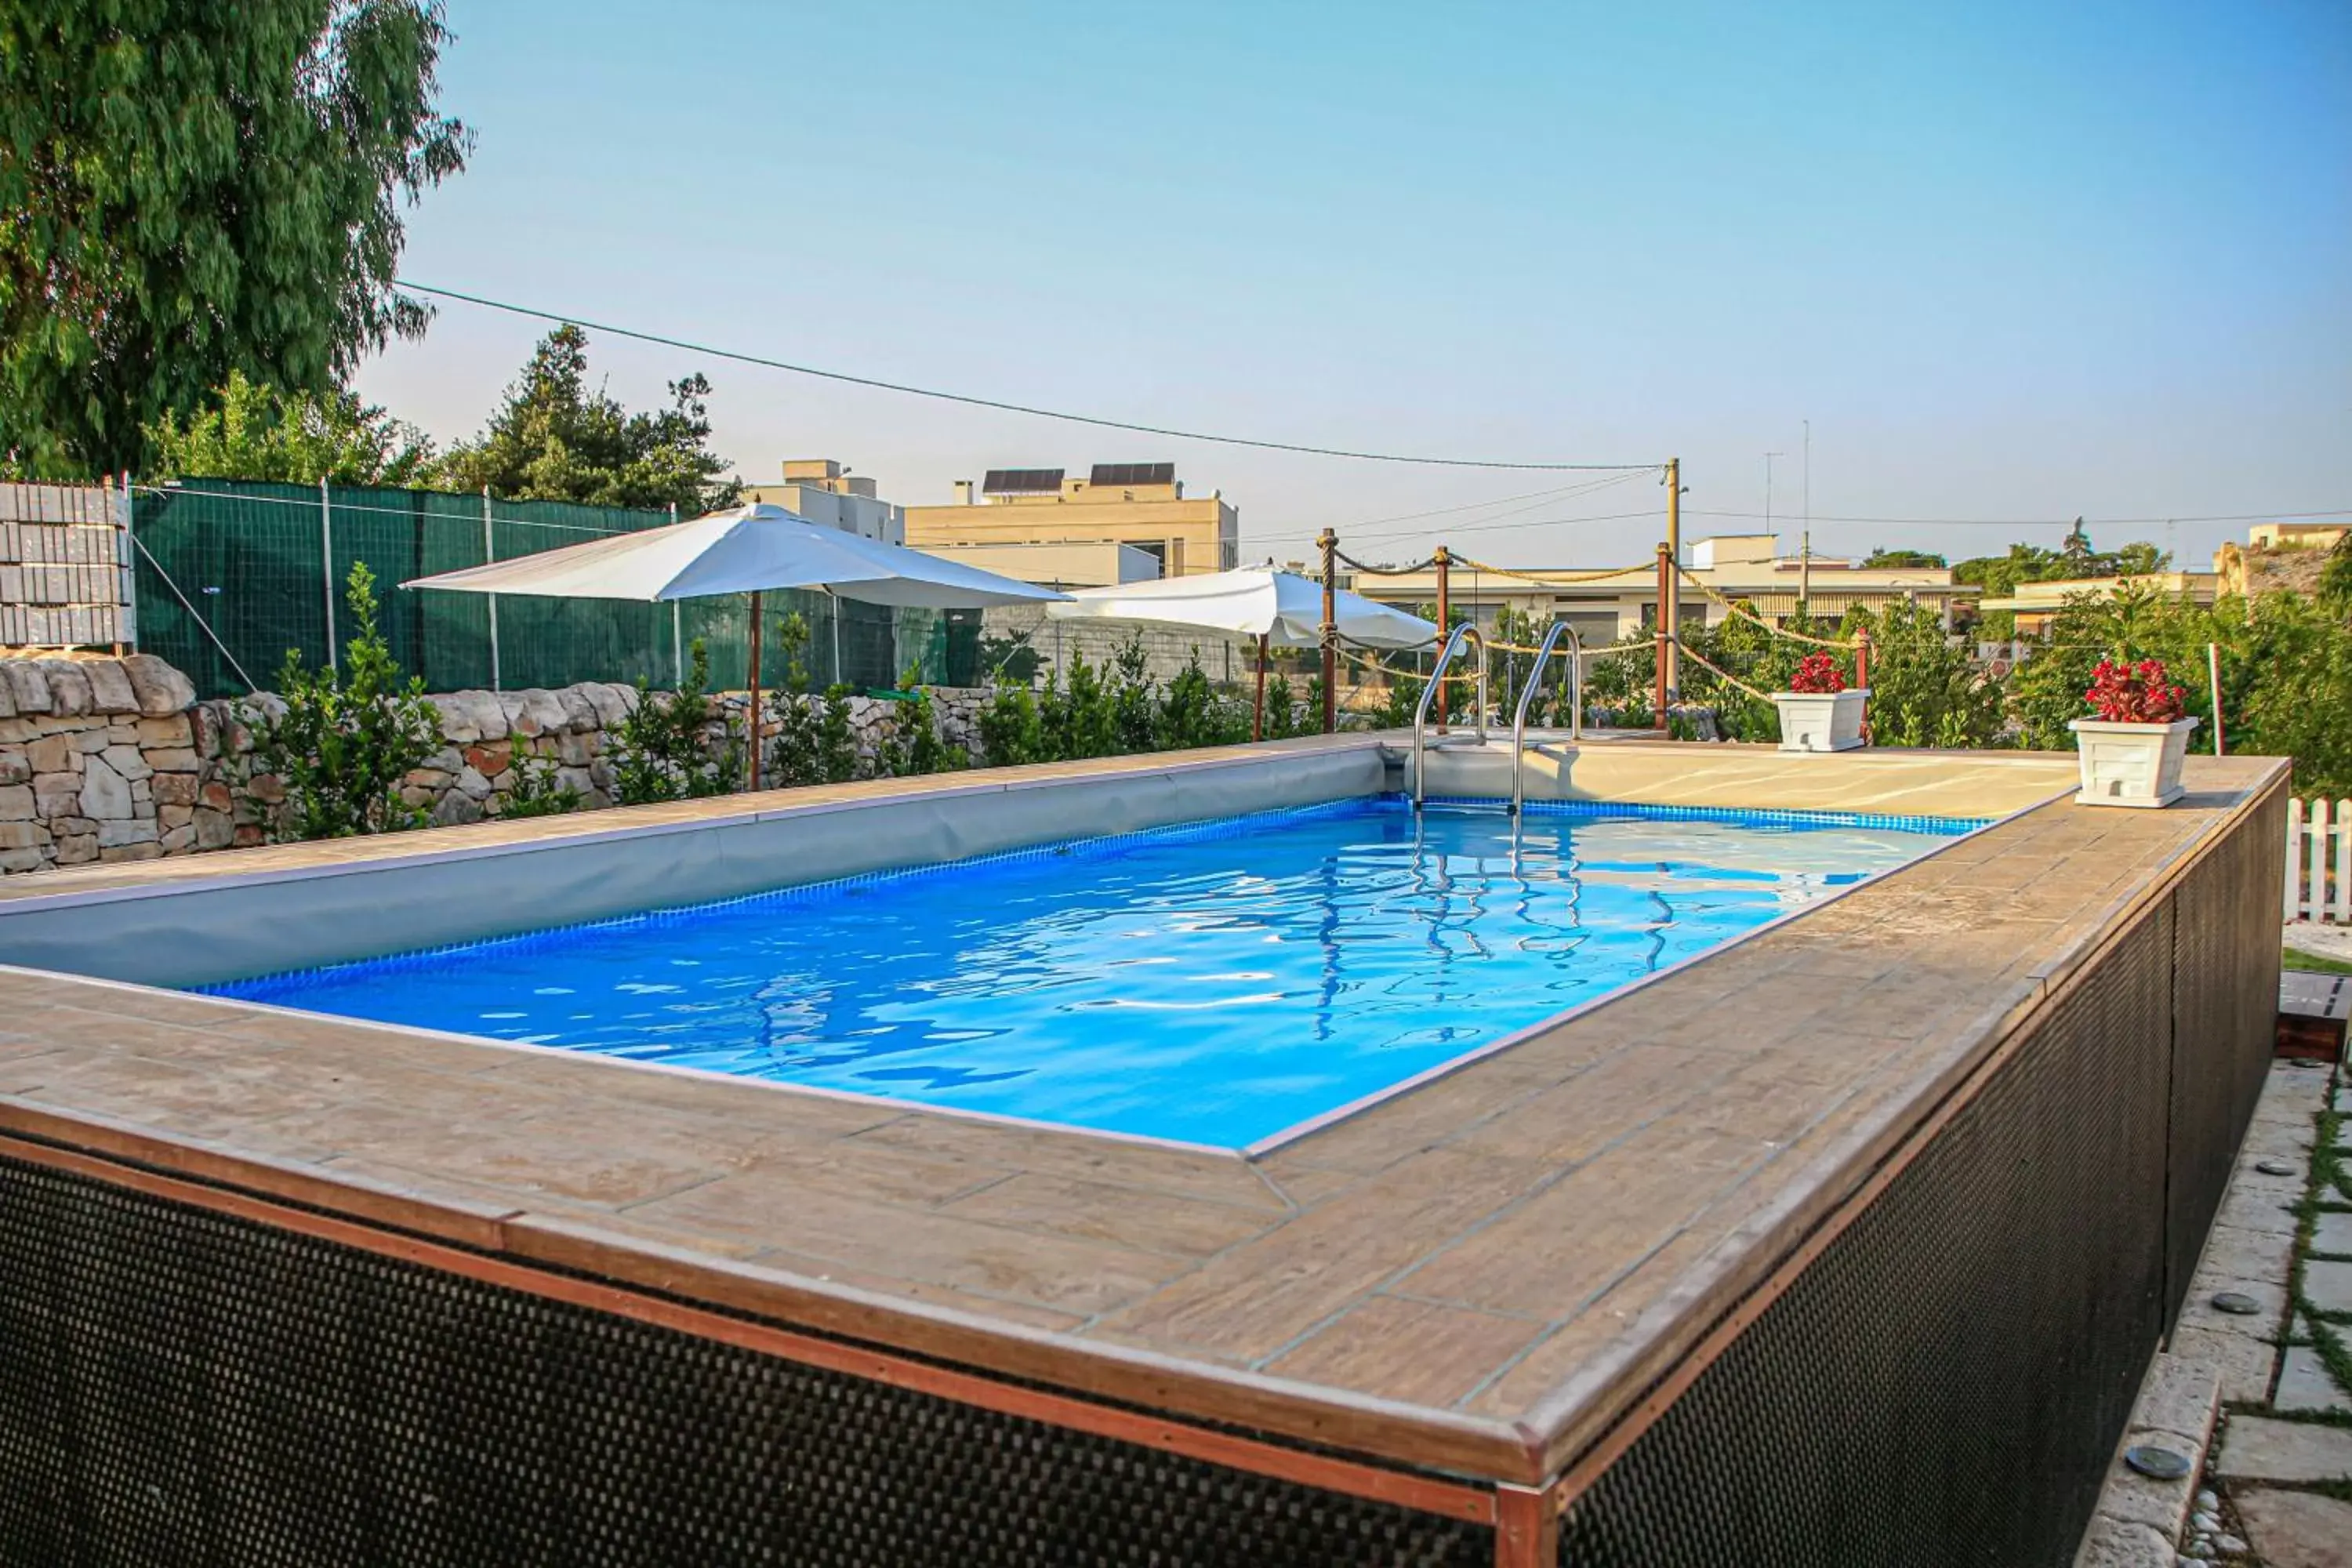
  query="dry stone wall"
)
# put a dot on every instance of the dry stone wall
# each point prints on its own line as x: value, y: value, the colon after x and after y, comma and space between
x: 107, y: 759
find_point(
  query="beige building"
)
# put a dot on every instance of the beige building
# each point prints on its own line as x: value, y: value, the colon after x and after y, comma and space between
x: 1612, y: 604
x: 822, y: 490
x: 2036, y: 605
x: 2276, y: 556
x: 1142, y: 505
x: 1092, y: 565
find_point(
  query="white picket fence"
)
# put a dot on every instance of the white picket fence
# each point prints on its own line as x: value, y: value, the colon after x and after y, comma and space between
x: 2320, y: 861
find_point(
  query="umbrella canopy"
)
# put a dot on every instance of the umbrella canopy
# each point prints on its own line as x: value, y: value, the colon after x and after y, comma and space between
x: 1280, y: 606
x: 743, y: 550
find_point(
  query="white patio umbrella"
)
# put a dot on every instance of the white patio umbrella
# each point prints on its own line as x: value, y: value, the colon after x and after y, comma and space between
x: 744, y: 550
x: 1281, y: 608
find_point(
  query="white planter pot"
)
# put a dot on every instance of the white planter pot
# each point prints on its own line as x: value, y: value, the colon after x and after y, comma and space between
x: 2131, y: 765
x: 1821, y: 721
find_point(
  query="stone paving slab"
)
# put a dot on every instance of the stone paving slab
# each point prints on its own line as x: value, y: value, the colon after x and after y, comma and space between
x: 2257, y: 1448
x: 2332, y: 1233
x: 2304, y: 1383
x: 2297, y: 1530
x: 2114, y: 1543
x: 2327, y: 1287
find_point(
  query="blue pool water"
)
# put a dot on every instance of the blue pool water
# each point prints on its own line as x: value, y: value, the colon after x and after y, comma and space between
x: 1213, y: 984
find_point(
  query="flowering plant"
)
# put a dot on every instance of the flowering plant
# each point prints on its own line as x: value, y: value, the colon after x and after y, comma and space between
x: 1817, y: 676
x: 2134, y: 693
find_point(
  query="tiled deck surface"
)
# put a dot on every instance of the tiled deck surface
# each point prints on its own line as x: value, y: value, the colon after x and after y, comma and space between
x: 1477, y: 1274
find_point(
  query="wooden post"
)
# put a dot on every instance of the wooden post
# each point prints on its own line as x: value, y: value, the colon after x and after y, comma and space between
x: 1257, y: 711
x: 1862, y: 673
x: 755, y: 690
x: 1330, y: 544
x: 1658, y: 628
x: 1670, y: 608
x: 1445, y: 608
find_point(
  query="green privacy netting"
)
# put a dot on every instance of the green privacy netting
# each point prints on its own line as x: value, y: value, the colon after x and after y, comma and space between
x: 232, y: 573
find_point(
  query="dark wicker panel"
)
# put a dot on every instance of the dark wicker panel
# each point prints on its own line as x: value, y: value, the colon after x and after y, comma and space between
x: 2224, y: 1009
x: 1945, y: 1383
x: 179, y: 1387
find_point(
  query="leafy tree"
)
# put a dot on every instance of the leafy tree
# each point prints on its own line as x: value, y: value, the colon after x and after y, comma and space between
x: 1925, y: 691
x: 189, y: 188
x: 347, y: 737
x: 2125, y: 626
x: 1901, y: 558
x: 555, y: 439
x: 2336, y: 577
x: 251, y: 431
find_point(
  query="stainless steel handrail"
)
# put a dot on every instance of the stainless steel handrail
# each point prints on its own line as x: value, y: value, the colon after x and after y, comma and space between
x: 1527, y: 695
x: 1465, y: 632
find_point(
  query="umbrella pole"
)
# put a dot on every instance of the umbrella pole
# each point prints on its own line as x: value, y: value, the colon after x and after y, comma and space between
x: 1258, y: 714
x: 755, y: 690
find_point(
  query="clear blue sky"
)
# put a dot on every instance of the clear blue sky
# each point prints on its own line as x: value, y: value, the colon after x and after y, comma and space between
x: 2010, y: 261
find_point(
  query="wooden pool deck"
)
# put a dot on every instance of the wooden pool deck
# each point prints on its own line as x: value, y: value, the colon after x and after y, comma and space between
x: 1477, y: 1275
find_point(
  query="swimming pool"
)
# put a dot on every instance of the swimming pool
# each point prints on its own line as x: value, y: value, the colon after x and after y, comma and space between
x: 1213, y: 984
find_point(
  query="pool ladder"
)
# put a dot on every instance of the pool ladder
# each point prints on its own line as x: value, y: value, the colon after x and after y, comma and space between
x: 1469, y: 636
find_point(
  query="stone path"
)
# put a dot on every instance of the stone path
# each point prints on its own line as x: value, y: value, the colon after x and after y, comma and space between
x: 2284, y: 1422
x: 2301, y: 1435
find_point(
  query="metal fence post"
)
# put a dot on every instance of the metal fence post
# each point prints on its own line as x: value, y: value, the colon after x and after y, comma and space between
x: 130, y: 623
x: 677, y: 629
x: 327, y: 564
x: 489, y: 557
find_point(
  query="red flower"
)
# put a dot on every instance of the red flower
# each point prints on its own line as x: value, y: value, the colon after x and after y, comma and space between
x: 1817, y: 676
x: 2133, y: 694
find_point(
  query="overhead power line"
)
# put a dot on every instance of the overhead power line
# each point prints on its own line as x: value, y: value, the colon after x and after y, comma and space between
x: 1002, y: 406
x: 2045, y: 521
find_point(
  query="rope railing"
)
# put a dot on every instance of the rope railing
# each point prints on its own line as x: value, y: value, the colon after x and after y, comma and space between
x: 1369, y: 570
x: 1746, y: 612
x: 1719, y: 672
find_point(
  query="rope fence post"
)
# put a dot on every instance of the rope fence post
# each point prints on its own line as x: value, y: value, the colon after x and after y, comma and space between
x: 327, y: 564
x: 1862, y: 674
x: 1658, y: 630
x: 1330, y: 545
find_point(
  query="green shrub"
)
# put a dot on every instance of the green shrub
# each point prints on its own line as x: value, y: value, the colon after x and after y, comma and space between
x: 664, y: 749
x: 536, y: 791
x: 913, y: 746
x: 1013, y: 728
x: 350, y: 734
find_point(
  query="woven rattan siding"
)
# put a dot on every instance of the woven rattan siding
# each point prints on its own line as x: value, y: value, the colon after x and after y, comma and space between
x: 1944, y: 1383
x: 2224, y: 1007
x: 183, y: 1387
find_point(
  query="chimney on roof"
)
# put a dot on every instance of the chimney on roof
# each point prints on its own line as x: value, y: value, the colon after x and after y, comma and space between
x: 963, y: 492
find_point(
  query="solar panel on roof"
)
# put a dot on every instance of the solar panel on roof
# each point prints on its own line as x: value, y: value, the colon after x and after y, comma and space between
x: 1109, y: 474
x: 1021, y: 481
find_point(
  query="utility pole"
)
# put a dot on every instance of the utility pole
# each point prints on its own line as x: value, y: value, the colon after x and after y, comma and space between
x: 1805, y: 546
x: 1670, y: 617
